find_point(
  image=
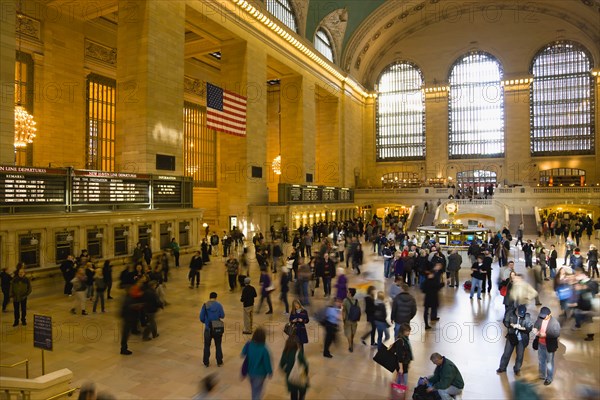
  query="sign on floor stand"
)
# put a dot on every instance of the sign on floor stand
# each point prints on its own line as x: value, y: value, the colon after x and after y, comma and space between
x: 42, y: 335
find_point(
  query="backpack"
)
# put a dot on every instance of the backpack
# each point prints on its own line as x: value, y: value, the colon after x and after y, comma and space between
x: 354, y: 312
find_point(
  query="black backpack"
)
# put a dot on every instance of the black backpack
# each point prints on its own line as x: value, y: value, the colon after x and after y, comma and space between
x: 354, y: 312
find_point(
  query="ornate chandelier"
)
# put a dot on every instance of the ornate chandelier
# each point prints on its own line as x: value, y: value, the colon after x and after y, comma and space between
x: 24, y: 127
x: 276, y: 165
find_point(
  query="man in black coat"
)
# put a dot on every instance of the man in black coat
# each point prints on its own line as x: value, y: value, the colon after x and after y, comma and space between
x: 528, y: 252
x: 431, y: 287
x: 404, y: 308
x: 519, y: 325
x: 247, y: 299
x: 67, y: 267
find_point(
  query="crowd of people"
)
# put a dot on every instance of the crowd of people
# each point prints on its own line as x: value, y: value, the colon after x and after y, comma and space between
x: 318, y: 263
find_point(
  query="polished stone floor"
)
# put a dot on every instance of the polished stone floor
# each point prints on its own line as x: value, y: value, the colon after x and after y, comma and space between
x: 469, y: 333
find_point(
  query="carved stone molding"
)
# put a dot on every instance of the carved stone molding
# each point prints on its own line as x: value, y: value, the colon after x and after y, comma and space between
x: 99, y: 52
x: 335, y: 23
x: 194, y: 86
x: 301, y: 10
x: 29, y: 27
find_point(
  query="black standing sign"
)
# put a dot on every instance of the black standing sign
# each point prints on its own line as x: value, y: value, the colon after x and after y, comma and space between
x: 42, y: 332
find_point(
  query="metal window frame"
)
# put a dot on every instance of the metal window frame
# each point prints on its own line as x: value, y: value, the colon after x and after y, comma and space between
x: 398, y: 123
x: 104, y: 158
x: 284, y: 11
x: 199, y: 147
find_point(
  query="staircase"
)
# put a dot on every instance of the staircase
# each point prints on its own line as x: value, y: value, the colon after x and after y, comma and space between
x: 530, y: 228
x: 428, y: 220
x: 416, y: 221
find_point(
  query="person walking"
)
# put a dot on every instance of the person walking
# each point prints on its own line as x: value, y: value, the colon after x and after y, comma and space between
x: 519, y: 325
x: 341, y: 284
x: 130, y: 312
x: 259, y: 362
x: 174, y: 246
x: 547, y: 331
x: 292, y: 354
x: 233, y: 266
x: 477, y: 276
x: 404, y: 308
x: 592, y: 257
x: 5, y: 280
x: 247, y: 299
x: 299, y: 317
x: 380, y: 316
x: 431, y: 288
x: 20, y: 289
x: 211, y: 311
x: 332, y: 320
x: 151, y: 305
x: 195, y: 268
x: 108, y: 278
x: 454, y: 264
x: 284, y: 288
x: 100, y: 286
x: 79, y: 291
x: 404, y: 354
x: 67, y: 267
x: 369, y: 312
x: 265, y: 291
x: 350, y: 317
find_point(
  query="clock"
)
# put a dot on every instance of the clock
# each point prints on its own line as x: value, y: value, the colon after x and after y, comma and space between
x: 451, y: 208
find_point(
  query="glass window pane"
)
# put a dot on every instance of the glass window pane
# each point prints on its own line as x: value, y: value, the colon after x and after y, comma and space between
x: 400, y: 114
x: 476, y: 107
x: 283, y: 11
x: 101, y: 123
x: 199, y: 147
x: 562, y: 101
x: 323, y: 44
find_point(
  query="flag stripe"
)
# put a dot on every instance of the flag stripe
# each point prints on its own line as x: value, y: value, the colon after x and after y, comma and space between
x: 225, y: 111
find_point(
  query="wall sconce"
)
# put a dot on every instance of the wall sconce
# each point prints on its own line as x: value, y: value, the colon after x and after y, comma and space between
x: 69, y: 237
x: 187, y: 227
x: 169, y: 228
x: 149, y: 231
x: 204, y: 225
x: 125, y: 232
x: 99, y: 235
x: 33, y: 241
x: 297, y: 216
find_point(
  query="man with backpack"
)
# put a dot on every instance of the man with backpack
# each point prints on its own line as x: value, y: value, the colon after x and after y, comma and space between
x: 350, y: 316
x: 210, y: 315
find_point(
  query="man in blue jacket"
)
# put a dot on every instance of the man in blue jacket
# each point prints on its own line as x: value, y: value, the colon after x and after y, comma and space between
x: 212, y: 310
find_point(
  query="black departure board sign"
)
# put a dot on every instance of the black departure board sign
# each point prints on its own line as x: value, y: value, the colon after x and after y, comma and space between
x: 307, y: 194
x: 99, y: 187
x: 32, y: 186
x: 42, y: 332
x: 33, y: 189
x: 167, y: 189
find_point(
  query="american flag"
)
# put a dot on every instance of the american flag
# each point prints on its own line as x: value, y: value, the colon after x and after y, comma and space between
x: 225, y: 111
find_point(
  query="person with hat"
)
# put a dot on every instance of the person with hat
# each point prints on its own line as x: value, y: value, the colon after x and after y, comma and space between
x: 247, y: 299
x: 547, y: 330
x: 519, y: 325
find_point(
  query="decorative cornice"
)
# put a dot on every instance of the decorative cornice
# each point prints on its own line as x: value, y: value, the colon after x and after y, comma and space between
x: 336, y: 22
x: 193, y: 86
x: 99, y: 52
x: 29, y: 27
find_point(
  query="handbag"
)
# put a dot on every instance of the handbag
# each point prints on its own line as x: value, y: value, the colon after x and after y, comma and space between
x: 270, y: 288
x: 289, y: 329
x: 398, y: 391
x: 298, y: 376
x: 535, y: 343
x: 503, y: 290
x: 386, y: 358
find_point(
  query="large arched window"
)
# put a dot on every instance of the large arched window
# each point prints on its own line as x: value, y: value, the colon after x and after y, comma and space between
x: 476, y: 107
x: 562, y: 101
x: 283, y: 11
x: 323, y: 44
x: 400, y: 114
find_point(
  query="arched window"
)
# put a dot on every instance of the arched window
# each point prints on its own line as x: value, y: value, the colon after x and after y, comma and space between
x: 400, y: 114
x: 562, y: 101
x: 476, y: 107
x: 283, y: 11
x: 323, y: 44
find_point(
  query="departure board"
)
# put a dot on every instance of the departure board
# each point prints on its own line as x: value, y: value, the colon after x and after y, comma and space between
x: 166, y: 189
x: 305, y: 194
x: 98, y: 187
x: 32, y: 186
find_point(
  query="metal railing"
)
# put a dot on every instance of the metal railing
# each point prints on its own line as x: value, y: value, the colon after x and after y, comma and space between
x: 25, y: 361
x: 67, y: 393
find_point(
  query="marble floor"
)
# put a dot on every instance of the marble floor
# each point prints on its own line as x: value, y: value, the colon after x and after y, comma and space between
x: 470, y: 333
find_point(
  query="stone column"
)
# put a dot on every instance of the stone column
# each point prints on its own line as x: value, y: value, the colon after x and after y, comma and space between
x: 244, y: 71
x: 517, y: 147
x: 436, y: 128
x: 7, y: 81
x: 150, y: 84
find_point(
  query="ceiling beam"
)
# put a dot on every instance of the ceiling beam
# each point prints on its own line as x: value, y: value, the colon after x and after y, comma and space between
x: 199, y: 47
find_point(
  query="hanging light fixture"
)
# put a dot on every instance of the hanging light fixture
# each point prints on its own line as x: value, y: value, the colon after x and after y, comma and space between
x: 24, y: 123
x: 276, y: 165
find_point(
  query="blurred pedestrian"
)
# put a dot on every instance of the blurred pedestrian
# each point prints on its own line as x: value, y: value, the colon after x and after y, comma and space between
x: 292, y: 354
x: 20, y: 289
x: 259, y: 362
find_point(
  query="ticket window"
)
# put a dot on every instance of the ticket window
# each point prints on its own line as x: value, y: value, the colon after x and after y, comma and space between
x: 29, y: 250
x: 184, y: 233
x: 165, y: 235
x: 94, y: 242
x: 144, y: 232
x: 121, y: 241
x: 63, y: 246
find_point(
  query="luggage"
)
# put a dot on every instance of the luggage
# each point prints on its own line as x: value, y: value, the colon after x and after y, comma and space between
x: 467, y: 286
